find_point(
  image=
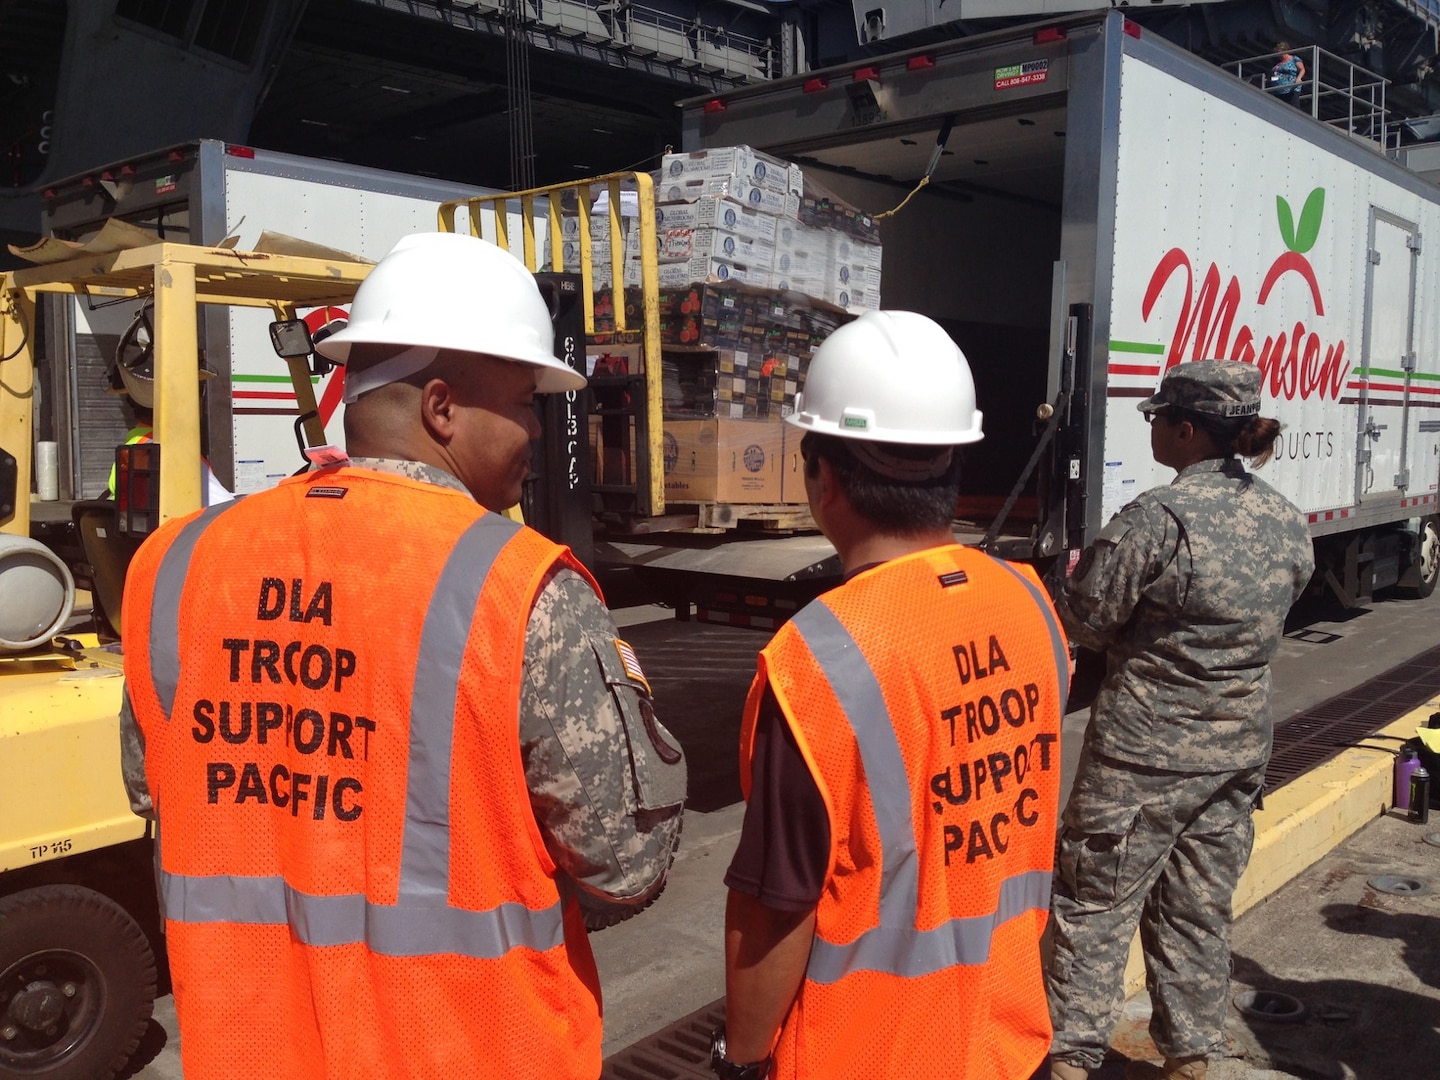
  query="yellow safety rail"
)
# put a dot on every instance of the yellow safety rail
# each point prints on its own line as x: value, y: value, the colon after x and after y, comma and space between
x: 490, y: 220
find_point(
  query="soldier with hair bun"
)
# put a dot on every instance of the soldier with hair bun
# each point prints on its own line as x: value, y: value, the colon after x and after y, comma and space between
x: 1186, y: 592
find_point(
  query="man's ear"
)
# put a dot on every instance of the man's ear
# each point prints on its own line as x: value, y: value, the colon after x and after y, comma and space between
x: 438, y: 409
x: 827, y: 487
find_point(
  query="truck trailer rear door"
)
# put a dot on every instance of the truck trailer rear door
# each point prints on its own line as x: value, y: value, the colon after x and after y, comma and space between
x: 1384, y: 378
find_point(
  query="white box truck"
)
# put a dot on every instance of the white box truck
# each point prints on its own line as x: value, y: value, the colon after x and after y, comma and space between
x: 1104, y: 206
x: 205, y: 193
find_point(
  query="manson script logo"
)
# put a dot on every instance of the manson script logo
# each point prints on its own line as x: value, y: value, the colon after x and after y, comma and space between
x: 1294, y: 360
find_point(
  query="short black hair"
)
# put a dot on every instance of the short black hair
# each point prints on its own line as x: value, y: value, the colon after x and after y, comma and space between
x: 903, y: 509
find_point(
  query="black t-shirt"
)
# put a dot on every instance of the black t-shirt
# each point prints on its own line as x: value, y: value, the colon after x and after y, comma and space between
x: 784, y: 847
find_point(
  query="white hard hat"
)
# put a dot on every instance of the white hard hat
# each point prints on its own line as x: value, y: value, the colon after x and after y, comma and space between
x: 450, y: 291
x: 890, y: 376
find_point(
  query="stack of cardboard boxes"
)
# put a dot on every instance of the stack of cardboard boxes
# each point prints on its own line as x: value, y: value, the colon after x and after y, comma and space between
x: 734, y: 214
x: 756, y: 268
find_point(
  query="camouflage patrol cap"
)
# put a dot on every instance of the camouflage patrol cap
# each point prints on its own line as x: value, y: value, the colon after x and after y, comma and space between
x: 1227, y: 389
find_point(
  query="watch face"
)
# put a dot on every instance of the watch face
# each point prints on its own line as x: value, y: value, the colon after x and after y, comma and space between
x: 730, y: 1070
x: 717, y: 1048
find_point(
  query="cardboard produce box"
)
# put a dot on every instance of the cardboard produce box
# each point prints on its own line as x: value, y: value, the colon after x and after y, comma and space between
x: 824, y: 210
x: 716, y: 212
x: 702, y: 268
x: 781, y: 204
x: 734, y: 163
x: 732, y: 461
x: 679, y: 245
x: 792, y: 467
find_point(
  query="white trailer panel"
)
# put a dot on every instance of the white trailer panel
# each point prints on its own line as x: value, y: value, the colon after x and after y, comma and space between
x: 1235, y: 238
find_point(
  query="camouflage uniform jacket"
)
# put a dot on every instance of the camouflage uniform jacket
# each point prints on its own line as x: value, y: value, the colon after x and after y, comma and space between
x: 607, y: 781
x: 1186, y: 591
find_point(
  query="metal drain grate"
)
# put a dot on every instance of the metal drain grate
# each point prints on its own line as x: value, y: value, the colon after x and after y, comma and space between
x: 1315, y: 736
x: 678, y: 1052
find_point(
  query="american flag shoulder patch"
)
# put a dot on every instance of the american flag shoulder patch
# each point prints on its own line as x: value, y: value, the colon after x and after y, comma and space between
x: 631, y: 663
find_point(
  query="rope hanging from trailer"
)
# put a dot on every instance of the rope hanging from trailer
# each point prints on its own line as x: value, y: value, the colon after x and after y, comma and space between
x: 517, y: 85
x: 935, y: 155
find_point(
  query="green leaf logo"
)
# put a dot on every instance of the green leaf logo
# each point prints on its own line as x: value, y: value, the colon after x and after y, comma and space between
x: 1302, y: 240
x: 1310, y: 217
x: 1287, y: 222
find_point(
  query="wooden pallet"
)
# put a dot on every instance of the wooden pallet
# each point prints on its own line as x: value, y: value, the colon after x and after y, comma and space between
x: 760, y: 517
x: 770, y: 519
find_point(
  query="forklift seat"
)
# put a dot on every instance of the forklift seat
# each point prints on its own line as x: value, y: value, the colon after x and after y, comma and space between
x: 109, y: 554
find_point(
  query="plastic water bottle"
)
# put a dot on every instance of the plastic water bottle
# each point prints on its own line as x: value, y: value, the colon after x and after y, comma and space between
x: 1420, y: 796
x: 1406, y: 762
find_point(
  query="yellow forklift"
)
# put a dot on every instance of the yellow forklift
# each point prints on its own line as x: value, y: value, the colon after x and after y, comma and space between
x: 79, y: 934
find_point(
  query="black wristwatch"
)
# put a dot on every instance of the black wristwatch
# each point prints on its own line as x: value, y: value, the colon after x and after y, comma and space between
x: 726, y: 1069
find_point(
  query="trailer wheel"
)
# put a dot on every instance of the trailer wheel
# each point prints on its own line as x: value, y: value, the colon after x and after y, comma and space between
x: 1426, y: 559
x: 77, y: 984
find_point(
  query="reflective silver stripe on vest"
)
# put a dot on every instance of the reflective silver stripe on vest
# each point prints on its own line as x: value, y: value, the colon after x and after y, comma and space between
x: 1058, y: 643
x: 422, y: 922
x: 425, y: 853
x: 858, y: 691
x: 417, y: 929
x: 165, y: 607
x: 910, y: 953
x: 895, y: 946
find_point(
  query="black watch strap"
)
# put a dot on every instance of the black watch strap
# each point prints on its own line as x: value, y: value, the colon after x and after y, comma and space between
x: 726, y: 1069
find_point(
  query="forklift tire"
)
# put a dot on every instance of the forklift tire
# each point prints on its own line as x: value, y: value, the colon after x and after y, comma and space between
x: 1427, y: 560
x: 77, y: 984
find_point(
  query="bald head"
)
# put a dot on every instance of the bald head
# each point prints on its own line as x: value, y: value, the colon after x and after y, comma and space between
x: 470, y: 415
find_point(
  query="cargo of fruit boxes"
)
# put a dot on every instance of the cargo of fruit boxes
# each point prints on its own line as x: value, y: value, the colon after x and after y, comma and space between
x: 757, y: 265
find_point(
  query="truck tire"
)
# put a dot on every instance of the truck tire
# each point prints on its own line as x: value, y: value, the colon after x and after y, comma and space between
x: 77, y: 984
x: 1426, y: 559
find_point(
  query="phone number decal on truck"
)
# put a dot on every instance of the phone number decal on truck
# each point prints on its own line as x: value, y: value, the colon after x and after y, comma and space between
x: 1032, y: 71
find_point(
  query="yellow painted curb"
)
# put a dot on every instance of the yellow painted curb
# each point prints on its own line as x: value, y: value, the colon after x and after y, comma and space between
x: 1306, y: 818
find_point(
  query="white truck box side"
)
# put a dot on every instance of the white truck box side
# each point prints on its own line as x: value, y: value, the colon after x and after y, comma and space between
x: 1236, y: 238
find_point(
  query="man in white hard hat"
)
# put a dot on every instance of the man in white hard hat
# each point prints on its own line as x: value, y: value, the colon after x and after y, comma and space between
x: 398, y: 756
x: 899, y: 755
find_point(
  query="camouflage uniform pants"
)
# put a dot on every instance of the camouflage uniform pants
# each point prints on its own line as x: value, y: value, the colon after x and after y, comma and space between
x: 1165, y: 850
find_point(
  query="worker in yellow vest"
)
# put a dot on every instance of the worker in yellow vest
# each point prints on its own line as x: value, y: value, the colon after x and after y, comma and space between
x: 899, y: 754
x: 212, y: 491
x: 398, y: 757
x: 132, y: 376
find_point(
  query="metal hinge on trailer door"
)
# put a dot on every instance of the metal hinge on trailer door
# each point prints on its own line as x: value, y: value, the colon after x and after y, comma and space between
x: 1402, y: 478
x: 1374, y: 257
x: 1413, y: 243
x: 1407, y: 362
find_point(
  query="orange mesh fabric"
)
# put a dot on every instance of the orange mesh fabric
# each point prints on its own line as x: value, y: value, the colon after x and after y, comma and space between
x: 287, y: 756
x: 968, y: 673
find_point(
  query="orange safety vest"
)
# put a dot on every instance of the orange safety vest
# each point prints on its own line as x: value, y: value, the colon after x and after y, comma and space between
x: 926, y: 696
x: 327, y: 676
